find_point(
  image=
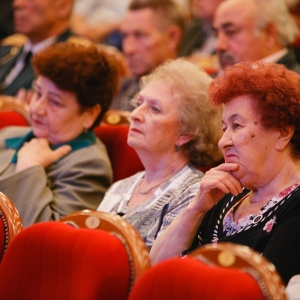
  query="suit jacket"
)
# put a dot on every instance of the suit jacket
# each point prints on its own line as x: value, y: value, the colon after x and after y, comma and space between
x: 8, y: 57
x: 290, y: 61
x: 75, y: 182
x: 129, y: 87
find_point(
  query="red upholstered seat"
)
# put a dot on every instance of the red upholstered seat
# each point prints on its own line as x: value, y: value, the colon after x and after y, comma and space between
x: 125, y: 161
x: 53, y: 260
x: 12, y: 118
x: 10, y: 223
x: 116, y: 225
x: 211, y: 273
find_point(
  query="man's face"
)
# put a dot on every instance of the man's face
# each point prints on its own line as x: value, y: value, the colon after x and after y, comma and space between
x: 35, y: 18
x: 145, y: 41
x: 237, y: 38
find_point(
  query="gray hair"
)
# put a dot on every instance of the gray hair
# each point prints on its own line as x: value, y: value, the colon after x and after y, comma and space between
x: 198, y: 117
x: 277, y: 13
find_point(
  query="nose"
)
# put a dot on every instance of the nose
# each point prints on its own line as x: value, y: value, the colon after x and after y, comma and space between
x: 221, y: 42
x: 225, y: 140
x: 137, y: 114
x: 129, y: 45
x: 39, y: 107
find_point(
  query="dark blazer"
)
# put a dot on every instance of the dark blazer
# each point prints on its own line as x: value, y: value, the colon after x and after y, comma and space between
x: 290, y: 61
x: 8, y: 57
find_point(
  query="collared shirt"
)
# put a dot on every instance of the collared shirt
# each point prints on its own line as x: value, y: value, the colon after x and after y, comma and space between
x: 20, y: 64
x: 83, y: 140
x: 273, y: 58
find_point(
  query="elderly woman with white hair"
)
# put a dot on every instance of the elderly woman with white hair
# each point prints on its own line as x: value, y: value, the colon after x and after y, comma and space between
x: 174, y: 130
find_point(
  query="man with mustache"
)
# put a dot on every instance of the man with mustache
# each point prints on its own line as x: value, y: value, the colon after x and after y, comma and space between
x: 250, y: 30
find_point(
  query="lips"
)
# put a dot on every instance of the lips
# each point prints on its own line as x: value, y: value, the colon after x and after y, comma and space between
x: 134, y: 130
x: 229, y: 157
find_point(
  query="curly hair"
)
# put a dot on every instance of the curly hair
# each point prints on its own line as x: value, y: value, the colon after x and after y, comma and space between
x: 198, y: 117
x: 275, y: 89
x: 83, y: 69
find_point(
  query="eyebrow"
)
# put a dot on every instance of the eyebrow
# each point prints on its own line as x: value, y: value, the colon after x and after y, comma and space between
x: 224, y: 26
x: 37, y: 87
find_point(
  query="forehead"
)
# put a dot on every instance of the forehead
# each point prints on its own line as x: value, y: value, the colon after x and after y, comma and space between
x: 142, y: 19
x: 234, y: 12
x: 241, y: 106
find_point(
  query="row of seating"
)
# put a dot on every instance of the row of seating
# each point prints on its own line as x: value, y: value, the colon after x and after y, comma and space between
x: 96, y: 255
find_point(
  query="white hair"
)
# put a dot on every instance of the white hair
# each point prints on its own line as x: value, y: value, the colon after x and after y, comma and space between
x: 277, y: 13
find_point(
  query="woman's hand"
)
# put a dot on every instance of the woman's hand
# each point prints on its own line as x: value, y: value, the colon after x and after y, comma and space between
x: 37, y: 152
x: 215, y: 184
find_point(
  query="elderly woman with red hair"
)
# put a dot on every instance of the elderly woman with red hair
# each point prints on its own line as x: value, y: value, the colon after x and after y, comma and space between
x: 253, y: 198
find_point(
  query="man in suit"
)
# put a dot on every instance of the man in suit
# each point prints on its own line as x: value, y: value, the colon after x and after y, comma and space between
x: 152, y: 32
x: 42, y: 23
x: 250, y: 30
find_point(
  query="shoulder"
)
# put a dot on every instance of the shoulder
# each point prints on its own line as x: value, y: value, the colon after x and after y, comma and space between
x: 14, y: 131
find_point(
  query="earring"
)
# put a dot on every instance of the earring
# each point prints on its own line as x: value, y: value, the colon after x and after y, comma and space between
x: 177, y: 148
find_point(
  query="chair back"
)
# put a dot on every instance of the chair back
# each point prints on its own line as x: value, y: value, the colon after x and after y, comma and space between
x: 229, y: 255
x: 137, y: 250
x: 124, y: 160
x: 52, y: 260
x: 10, y: 223
x: 212, y: 272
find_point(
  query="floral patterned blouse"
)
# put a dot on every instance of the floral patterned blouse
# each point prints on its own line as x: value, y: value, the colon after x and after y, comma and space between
x: 274, y: 231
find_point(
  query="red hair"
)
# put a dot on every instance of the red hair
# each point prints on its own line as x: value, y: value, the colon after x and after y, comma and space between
x: 274, y: 88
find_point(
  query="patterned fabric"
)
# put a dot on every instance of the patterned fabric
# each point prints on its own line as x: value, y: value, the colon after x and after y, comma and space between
x: 274, y: 231
x: 153, y: 216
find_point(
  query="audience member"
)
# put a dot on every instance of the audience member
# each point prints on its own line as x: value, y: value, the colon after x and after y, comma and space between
x: 42, y: 27
x: 250, y: 30
x: 58, y: 166
x: 254, y: 197
x: 99, y: 21
x: 152, y: 31
x: 199, y: 37
x: 173, y: 130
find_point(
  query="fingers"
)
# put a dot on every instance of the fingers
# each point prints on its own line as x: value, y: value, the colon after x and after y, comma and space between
x: 221, y: 178
x: 61, y: 151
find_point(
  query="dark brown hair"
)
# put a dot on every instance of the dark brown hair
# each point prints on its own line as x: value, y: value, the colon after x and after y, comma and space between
x: 82, y: 69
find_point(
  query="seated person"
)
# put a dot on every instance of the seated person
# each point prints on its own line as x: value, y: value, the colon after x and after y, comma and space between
x: 253, y: 198
x: 173, y: 130
x: 251, y: 30
x: 38, y: 27
x: 58, y: 166
x: 151, y: 34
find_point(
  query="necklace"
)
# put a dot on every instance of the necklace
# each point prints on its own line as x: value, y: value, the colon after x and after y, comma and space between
x: 152, y: 188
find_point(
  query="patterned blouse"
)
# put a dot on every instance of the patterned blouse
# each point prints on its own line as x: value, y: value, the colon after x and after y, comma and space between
x: 274, y: 231
x: 153, y: 216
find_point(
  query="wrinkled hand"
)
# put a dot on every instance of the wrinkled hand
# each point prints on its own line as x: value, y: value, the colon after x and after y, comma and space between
x: 37, y: 152
x: 215, y: 184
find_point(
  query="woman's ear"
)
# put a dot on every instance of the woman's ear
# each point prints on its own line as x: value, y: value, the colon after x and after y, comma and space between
x: 184, y: 139
x: 284, y: 137
x: 90, y: 116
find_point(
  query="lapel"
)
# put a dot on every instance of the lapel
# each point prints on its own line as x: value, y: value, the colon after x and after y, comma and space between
x: 5, y: 159
x: 8, y: 58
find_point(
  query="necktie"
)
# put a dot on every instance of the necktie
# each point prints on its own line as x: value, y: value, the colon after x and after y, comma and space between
x: 22, y: 62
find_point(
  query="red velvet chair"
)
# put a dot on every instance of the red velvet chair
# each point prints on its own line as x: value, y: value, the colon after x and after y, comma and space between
x: 53, y: 260
x: 219, y: 272
x: 10, y: 223
x: 12, y: 118
x: 125, y: 161
x: 116, y: 225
